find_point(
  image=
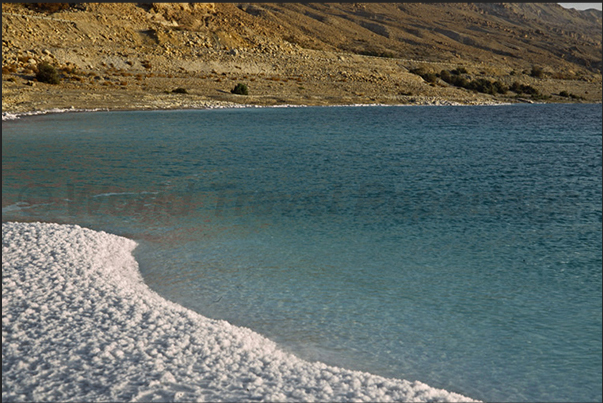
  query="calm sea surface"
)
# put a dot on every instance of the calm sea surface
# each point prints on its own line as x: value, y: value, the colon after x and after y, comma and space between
x: 457, y: 246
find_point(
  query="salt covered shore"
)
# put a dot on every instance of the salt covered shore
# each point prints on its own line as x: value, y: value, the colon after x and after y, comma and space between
x: 79, y: 324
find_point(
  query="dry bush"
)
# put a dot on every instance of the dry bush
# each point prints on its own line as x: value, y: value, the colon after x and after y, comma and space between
x: 240, y: 89
x: 47, y: 73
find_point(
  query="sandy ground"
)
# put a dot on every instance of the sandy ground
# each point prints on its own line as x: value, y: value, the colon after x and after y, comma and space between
x: 271, y: 79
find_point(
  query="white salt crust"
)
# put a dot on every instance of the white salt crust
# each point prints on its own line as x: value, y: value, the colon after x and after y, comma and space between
x: 79, y: 324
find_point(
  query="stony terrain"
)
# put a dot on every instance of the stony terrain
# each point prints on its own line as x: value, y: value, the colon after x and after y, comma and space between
x: 132, y: 56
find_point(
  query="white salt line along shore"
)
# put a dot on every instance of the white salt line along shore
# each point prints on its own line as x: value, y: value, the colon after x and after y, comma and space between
x: 167, y: 105
x: 79, y: 324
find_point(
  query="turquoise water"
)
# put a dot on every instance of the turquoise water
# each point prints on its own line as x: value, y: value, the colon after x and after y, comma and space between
x: 457, y: 246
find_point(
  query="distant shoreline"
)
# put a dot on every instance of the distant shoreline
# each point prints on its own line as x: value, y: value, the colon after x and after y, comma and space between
x: 8, y: 116
x: 121, y: 56
x: 35, y: 97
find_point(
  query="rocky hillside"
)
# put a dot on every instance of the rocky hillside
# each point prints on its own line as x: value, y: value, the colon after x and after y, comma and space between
x: 516, y: 35
x: 312, y: 53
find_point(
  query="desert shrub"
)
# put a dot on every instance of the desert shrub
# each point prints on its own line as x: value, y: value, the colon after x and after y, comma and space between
x: 523, y: 89
x: 460, y: 81
x: 480, y: 85
x: 500, y: 87
x: 240, y: 89
x: 47, y: 74
x: 459, y: 70
x: 569, y: 95
x: 454, y: 79
x: 429, y: 77
x: 537, y: 72
x: 446, y: 76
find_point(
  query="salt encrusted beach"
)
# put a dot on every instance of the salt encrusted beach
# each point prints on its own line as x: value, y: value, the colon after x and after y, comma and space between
x: 79, y: 324
x: 78, y: 321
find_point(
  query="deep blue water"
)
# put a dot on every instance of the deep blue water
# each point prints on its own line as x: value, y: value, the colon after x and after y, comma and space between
x: 457, y: 246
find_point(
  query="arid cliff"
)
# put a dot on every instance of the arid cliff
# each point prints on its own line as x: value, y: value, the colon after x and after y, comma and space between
x: 129, y: 55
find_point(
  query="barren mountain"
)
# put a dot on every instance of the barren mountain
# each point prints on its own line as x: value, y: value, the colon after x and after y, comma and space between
x: 515, y: 35
x: 310, y: 53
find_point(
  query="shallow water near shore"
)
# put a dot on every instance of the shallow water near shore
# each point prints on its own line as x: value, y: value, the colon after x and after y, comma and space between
x: 457, y: 246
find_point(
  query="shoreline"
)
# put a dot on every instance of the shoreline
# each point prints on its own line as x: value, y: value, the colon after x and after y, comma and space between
x: 70, y: 269
x: 220, y: 104
x: 426, y: 112
x: 9, y: 116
